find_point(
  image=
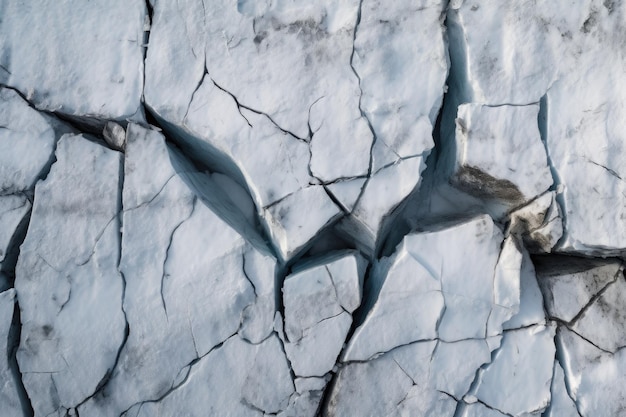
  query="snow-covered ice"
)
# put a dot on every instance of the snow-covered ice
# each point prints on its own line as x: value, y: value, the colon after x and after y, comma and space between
x: 305, y: 209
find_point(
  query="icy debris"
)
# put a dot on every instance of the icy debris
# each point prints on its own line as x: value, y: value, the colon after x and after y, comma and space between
x: 569, y: 283
x: 426, y: 291
x: 539, y: 223
x: 518, y: 380
x: 236, y: 379
x: 499, y: 153
x: 400, y: 382
x: 114, y: 135
x: 561, y: 404
x: 189, y: 287
x: 9, y: 394
x: 340, y: 112
x: 595, y: 378
x: 81, y: 59
x: 319, y: 300
x: 70, y: 291
x: 569, y: 59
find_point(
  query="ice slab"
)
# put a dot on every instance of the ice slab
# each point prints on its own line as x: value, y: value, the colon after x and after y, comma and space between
x: 51, y: 51
x: 594, y: 376
x: 319, y: 302
x: 519, y: 378
x: 27, y: 142
x: 70, y: 290
x: 561, y: 404
x: 235, y: 379
x: 569, y: 283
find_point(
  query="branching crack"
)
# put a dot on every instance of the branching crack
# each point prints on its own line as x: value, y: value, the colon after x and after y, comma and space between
x: 175, y: 387
x: 167, y: 251
x: 243, y: 106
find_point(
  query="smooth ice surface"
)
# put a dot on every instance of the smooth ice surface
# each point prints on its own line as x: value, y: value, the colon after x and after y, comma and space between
x: 499, y: 153
x: 427, y: 291
x: 83, y: 59
x: 9, y: 395
x: 69, y: 288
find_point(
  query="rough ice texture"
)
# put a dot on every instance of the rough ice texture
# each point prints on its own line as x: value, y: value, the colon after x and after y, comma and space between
x: 69, y: 288
x: 9, y: 391
x: 570, y: 59
x: 333, y: 117
x: 490, y: 141
x: 50, y: 51
x: 423, y: 291
x: 268, y: 208
x: 319, y: 302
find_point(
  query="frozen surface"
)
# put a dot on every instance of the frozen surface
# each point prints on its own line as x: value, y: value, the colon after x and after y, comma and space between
x: 334, y: 116
x: 9, y: 394
x: 174, y: 320
x: 70, y: 294
x: 523, y: 364
x: 49, y: 52
x: 319, y: 302
x: 539, y: 223
x: 595, y: 376
x: 423, y: 292
x: 569, y: 284
x: 570, y: 61
x: 489, y: 143
x: 305, y: 209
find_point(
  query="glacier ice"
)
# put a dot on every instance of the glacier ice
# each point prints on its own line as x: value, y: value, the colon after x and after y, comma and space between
x: 301, y: 209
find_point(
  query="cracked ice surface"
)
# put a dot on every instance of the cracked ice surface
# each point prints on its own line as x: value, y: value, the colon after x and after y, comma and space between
x: 9, y: 394
x: 573, y: 57
x: 326, y: 116
x: 426, y: 282
x: 64, y: 289
x: 303, y: 209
